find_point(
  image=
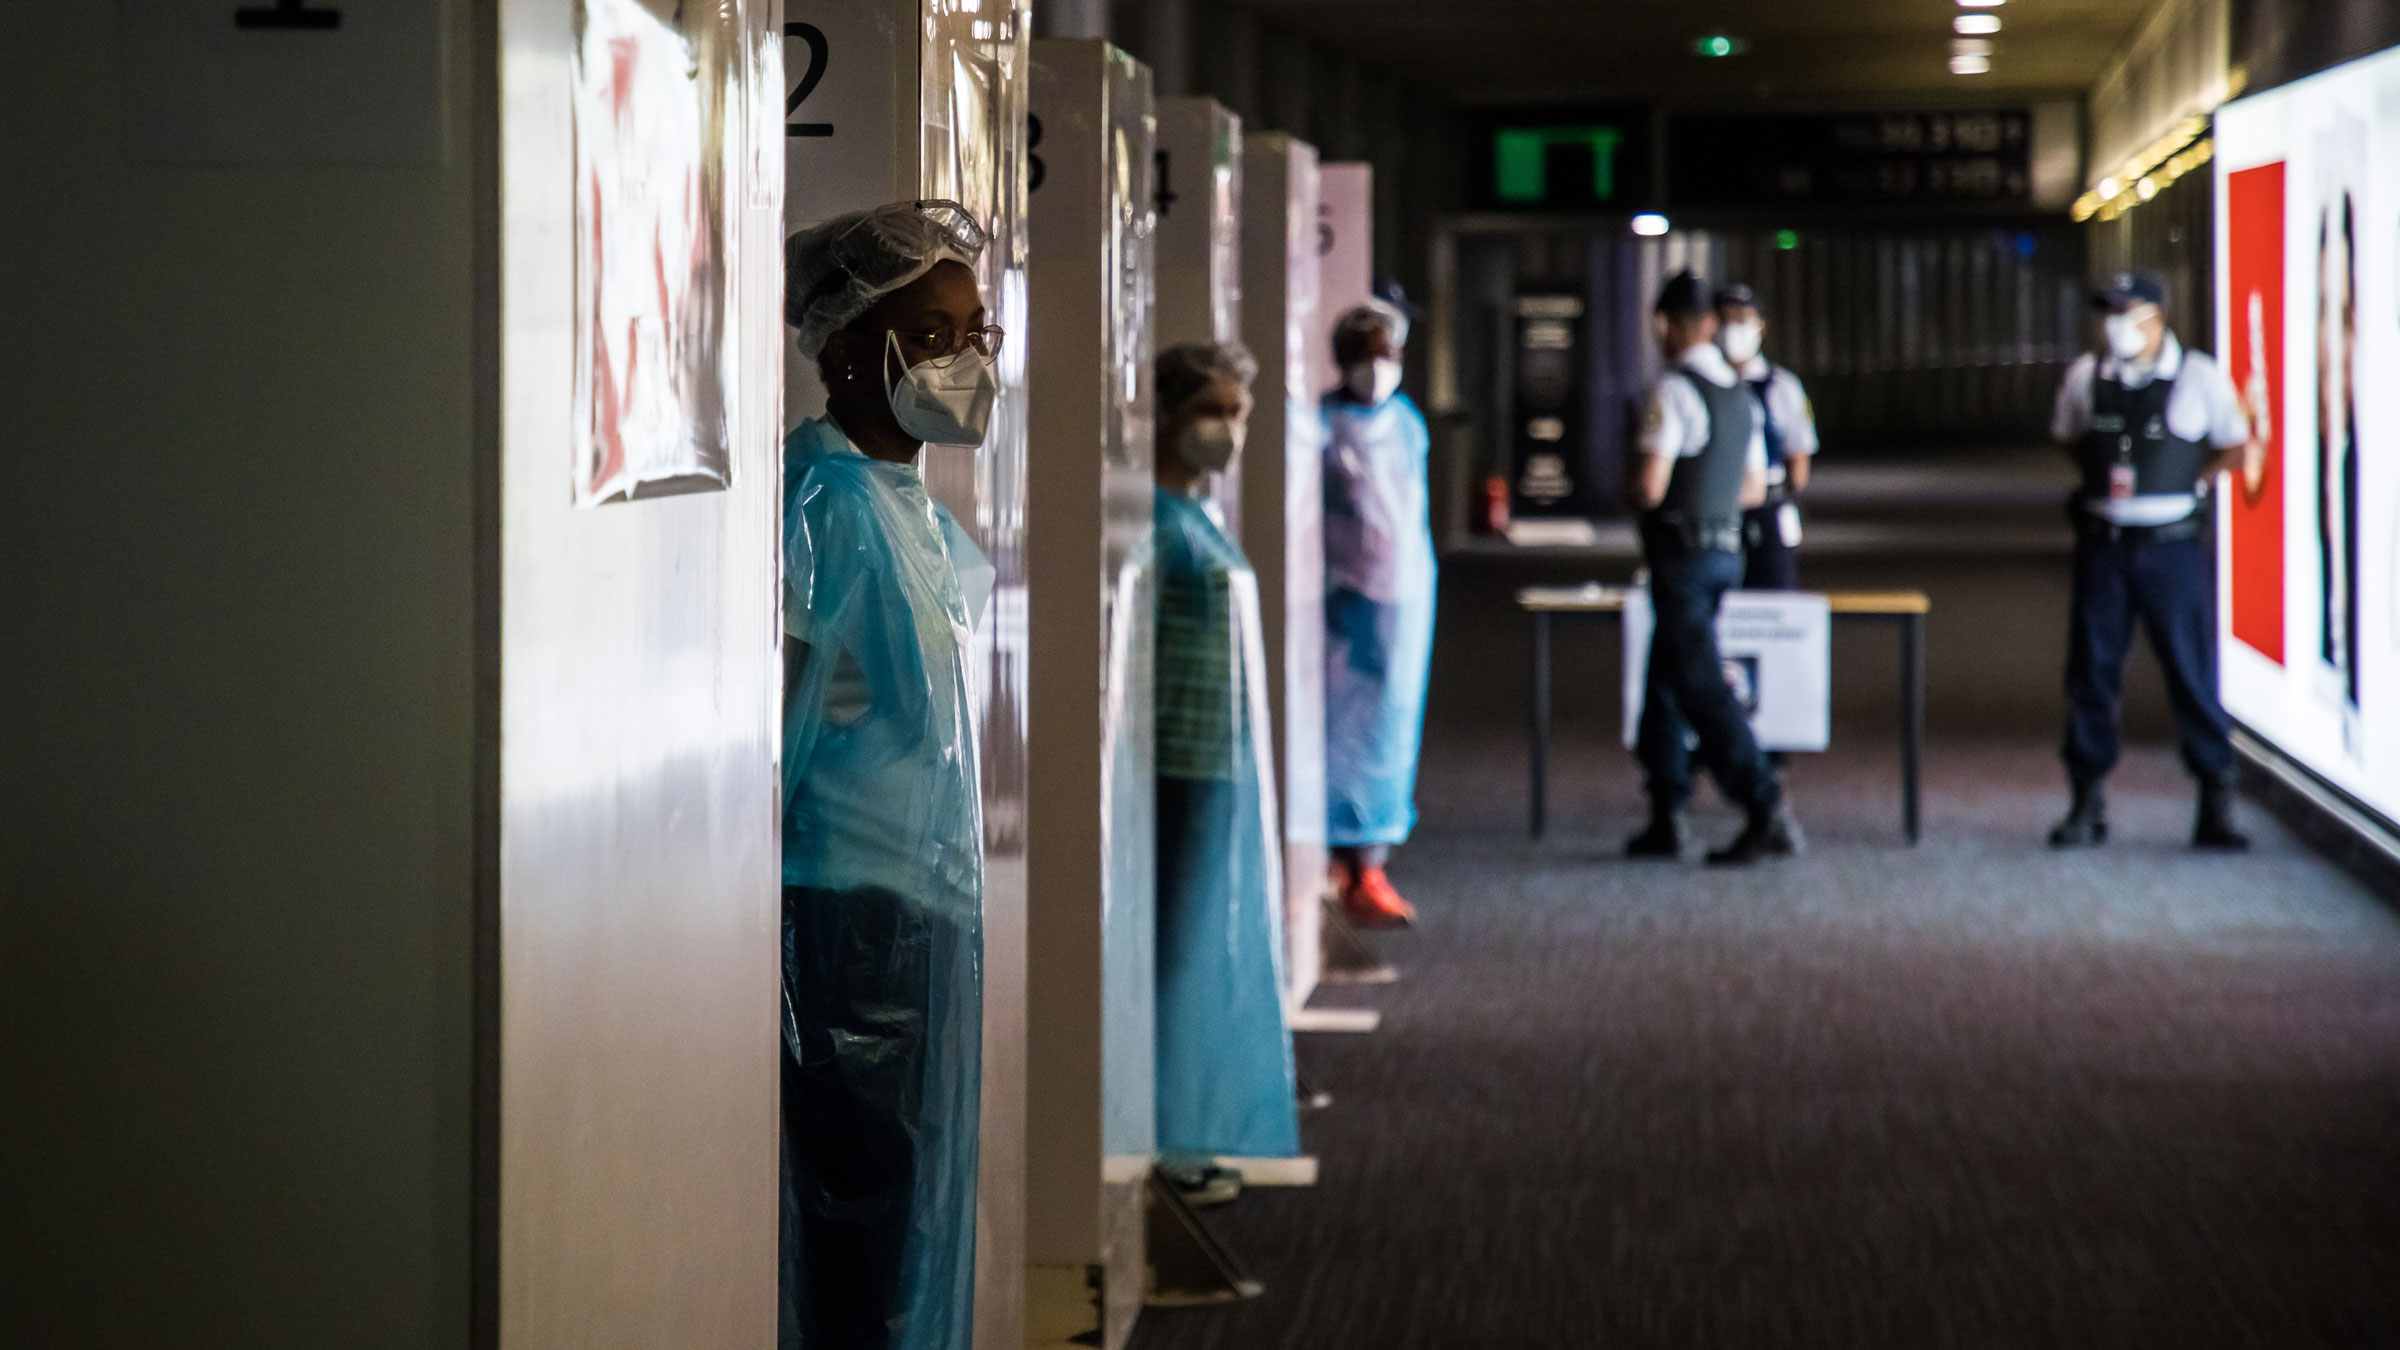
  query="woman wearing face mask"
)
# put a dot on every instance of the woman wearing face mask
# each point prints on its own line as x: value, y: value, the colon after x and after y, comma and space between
x: 1225, y: 1084
x: 1379, y: 586
x: 882, y: 816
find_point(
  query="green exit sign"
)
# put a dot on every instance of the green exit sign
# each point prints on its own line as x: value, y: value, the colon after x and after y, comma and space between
x: 1526, y: 159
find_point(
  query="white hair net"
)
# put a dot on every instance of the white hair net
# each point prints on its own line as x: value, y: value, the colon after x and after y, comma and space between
x: 836, y: 271
x: 1375, y: 313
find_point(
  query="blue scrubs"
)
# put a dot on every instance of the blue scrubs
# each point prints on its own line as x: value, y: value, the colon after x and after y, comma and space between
x: 1379, y: 594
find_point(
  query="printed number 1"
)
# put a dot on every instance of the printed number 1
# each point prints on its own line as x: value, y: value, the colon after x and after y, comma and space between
x: 815, y: 38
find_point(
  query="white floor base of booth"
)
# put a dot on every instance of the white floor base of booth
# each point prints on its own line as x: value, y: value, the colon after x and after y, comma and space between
x: 1300, y: 1171
x: 1336, y: 1019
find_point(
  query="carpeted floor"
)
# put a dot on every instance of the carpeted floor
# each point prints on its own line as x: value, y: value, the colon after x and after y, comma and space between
x: 1969, y: 1094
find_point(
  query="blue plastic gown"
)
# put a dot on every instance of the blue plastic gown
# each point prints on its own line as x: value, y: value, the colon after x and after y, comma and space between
x: 1224, y: 1061
x: 883, y: 908
x: 1379, y: 590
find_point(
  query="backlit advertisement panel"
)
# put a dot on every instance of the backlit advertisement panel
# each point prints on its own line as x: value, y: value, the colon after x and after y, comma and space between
x: 2308, y: 313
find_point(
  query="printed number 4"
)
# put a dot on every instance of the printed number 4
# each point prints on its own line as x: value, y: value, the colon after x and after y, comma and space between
x: 807, y: 84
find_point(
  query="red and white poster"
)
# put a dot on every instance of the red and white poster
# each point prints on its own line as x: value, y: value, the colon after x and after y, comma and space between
x: 653, y: 285
x: 2254, y: 358
x: 2308, y: 324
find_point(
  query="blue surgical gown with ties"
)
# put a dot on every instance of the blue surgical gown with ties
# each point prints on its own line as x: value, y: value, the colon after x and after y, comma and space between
x: 883, y: 907
x: 1225, y: 1083
x: 1379, y: 592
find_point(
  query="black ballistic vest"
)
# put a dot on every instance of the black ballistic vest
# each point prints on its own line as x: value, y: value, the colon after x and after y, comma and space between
x: 1706, y: 488
x: 2129, y: 429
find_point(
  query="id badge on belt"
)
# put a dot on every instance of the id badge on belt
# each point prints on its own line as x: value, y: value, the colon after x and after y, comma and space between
x: 1787, y: 524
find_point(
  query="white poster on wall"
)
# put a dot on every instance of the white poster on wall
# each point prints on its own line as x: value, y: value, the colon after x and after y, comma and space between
x: 656, y: 142
x: 2308, y: 301
x: 1778, y: 653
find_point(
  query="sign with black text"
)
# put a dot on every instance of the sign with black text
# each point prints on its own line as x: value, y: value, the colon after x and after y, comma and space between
x: 1778, y: 652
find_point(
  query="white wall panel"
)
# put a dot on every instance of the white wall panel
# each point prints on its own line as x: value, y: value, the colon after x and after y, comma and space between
x: 1282, y: 509
x: 1092, y: 918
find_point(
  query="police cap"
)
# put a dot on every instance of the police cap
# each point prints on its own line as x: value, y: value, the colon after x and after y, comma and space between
x: 2127, y: 289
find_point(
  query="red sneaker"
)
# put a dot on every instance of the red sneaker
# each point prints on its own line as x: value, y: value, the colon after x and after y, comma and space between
x: 1370, y: 902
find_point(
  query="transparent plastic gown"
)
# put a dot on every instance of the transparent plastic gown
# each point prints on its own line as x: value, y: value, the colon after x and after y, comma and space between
x: 1224, y: 1064
x: 1379, y: 593
x: 882, y: 912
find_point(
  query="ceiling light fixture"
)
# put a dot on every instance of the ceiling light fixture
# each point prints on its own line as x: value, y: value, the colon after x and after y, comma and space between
x: 1980, y: 4
x: 1970, y: 47
x: 1649, y: 224
x: 1970, y: 65
x: 1718, y: 44
x: 1975, y: 25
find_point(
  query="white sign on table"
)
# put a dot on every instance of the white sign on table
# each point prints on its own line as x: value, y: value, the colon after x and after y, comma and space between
x: 1778, y: 653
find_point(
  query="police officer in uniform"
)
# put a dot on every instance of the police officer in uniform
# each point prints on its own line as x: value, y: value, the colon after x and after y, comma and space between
x: 1701, y: 459
x: 1771, y: 529
x: 2151, y: 426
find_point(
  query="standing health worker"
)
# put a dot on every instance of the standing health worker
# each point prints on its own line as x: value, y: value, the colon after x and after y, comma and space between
x: 1701, y: 462
x: 1225, y: 1082
x: 1379, y: 584
x: 1788, y: 426
x: 2151, y: 425
x: 882, y: 813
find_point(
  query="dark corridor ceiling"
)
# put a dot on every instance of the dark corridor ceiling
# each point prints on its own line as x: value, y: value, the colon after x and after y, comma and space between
x: 1797, y: 52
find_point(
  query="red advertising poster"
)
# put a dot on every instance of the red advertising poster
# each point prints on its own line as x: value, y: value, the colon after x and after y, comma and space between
x: 2254, y: 357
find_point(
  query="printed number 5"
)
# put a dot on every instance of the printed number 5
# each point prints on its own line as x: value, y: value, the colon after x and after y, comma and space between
x: 815, y: 38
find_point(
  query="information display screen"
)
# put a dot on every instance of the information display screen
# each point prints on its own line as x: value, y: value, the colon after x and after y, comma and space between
x: 2308, y: 316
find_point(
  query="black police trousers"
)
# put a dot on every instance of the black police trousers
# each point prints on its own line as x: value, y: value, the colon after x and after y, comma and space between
x: 2170, y: 584
x: 1685, y: 696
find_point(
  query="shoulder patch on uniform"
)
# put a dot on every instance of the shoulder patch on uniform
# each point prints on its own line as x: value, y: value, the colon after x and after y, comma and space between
x: 1654, y: 415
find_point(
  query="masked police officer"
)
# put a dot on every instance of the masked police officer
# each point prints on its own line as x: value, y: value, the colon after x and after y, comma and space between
x: 2151, y: 426
x: 1771, y: 529
x: 1700, y: 459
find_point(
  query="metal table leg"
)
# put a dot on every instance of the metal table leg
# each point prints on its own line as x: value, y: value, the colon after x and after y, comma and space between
x: 1537, y: 720
x: 1912, y: 718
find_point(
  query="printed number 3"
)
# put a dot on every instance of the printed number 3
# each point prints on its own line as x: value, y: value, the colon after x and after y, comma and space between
x: 815, y: 38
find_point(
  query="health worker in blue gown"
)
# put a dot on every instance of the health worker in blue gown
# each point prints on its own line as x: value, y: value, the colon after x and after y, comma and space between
x: 882, y: 812
x: 1225, y: 1082
x: 1379, y: 592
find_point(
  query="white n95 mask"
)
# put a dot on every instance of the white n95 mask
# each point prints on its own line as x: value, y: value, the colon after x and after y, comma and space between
x: 1372, y: 382
x: 2125, y: 336
x: 944, y: 402
x: 1741, y: 341
x: 1209, y: 444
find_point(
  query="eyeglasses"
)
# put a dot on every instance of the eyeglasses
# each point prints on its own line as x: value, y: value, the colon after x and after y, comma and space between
x: 940, y: 346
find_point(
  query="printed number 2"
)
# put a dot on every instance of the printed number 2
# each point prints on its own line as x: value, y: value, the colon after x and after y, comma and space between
x: 815, y: 38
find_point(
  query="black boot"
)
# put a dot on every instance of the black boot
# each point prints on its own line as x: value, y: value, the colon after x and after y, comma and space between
x: 1771, y: 833
x: 1663, y: 837
x: 2214, y: 827
x: 2087, y: 820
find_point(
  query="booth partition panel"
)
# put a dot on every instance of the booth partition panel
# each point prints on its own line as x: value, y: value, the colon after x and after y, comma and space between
x: 1282, y: 509
x: 1091, y: 912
